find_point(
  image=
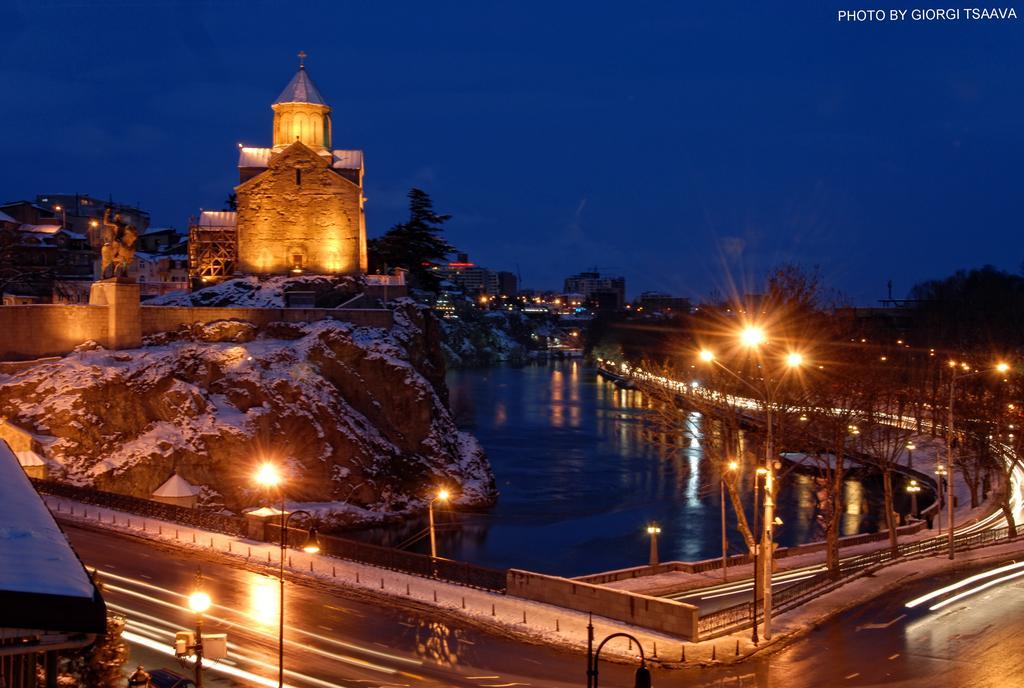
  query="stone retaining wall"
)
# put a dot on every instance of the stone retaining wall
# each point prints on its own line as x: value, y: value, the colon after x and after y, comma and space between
x: 167, y: 318
x: 37, y: 330
x: 654, y: 613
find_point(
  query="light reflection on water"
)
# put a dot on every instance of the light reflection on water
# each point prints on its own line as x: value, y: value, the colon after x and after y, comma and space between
x: 580, y: 476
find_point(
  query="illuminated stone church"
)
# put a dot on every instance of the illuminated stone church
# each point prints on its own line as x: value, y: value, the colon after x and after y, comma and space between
x: 300, y: 202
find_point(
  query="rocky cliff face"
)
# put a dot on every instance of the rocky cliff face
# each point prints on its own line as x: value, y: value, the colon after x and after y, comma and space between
x: 358, y: 416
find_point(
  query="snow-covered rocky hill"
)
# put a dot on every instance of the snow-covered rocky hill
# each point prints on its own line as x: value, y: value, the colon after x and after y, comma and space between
x: 359, y: 415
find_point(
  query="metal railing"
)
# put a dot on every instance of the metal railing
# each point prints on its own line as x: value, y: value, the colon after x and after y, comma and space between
x: 460, y: 572
x: 738, y: 616
x: 207, y: 520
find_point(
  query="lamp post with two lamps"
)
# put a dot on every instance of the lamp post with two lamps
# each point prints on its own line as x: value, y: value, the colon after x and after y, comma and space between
x: 753, y: 338
x: 955, y: 377
x: 270, y: 477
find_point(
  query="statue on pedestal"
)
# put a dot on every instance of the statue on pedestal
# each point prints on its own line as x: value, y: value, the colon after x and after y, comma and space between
x: 118, y: 246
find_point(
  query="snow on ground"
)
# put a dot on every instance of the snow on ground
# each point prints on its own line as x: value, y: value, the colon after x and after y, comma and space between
x: 253, y: 292
x: 352, y: 404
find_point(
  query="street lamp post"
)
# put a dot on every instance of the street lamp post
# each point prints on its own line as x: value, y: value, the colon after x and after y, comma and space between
x: 270, y: 477
x: 953, y: 378
x: 442, y: 496
x: 752, y: 338
x: 757, y: 547
x: 732, y: 466
x: 199, y: 602
x: 913, y: 488
x: 642, y: 678
x: 654, y: 530
x: 910, y: 454
x: 940, y: 472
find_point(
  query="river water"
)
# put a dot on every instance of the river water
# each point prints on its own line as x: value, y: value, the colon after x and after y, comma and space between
x: 579, y: 480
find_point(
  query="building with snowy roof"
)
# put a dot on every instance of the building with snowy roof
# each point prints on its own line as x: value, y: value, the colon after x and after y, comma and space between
x: 299, y: 202
x: 49, y: 603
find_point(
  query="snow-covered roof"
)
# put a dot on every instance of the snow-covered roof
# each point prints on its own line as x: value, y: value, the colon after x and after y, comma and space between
x: 4, y: 217
x: 300, y: 90
x: 35, y: 557
x: 74, y: 235
x: 218, y: 218
x: 29, y: 459
x: 39, y: 229
x: 348, y: 159
x: 248, y: 156
x: 264, y: 511
x: 176, y: 486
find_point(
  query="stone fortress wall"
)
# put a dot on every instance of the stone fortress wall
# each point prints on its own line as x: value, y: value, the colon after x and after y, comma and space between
x: 38, y: 330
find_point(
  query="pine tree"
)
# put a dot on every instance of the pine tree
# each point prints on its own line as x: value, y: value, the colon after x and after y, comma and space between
x: 415, y: 245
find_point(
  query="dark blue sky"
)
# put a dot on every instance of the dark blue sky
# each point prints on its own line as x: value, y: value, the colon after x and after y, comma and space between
x: 683, y: 145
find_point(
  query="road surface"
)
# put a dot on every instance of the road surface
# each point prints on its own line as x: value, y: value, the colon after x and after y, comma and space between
x: 334, y: 640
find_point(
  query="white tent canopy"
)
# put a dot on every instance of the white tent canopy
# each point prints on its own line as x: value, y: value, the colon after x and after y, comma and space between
x: 176, y: 487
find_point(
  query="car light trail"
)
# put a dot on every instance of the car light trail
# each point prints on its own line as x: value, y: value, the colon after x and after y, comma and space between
x: 972, y: 591
x: 213, y: 665
x: 340, y: 643
x: 962, y: 584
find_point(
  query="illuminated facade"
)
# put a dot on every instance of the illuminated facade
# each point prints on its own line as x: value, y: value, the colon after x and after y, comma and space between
x: 300, y: 203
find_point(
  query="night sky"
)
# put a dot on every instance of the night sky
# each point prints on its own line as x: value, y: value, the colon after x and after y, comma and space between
x: 684, y: 145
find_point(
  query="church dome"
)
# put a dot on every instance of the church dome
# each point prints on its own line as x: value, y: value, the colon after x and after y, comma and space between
x: 300, y: 114
x: 300, y: 90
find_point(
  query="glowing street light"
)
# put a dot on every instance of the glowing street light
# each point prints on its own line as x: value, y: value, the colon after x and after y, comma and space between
x: 268, y: 475
x: 912, y: 489
x: 794, y: 360
x: 198, y: 602
x: 654, y: 530
x: 752, y: 336
x: 443, y: 495
x: 707, y: 356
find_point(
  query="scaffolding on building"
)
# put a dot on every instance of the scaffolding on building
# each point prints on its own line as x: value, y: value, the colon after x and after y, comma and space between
x: 212, y: 246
